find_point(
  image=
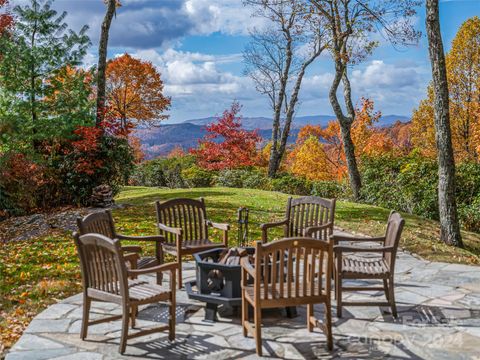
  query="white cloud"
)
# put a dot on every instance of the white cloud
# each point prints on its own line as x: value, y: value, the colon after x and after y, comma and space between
x: 395, y: 88
x: 143, y: 24
x: 182, y: 71
x: 197, y: 85
x: 382, y: 75
x: 226, y: 16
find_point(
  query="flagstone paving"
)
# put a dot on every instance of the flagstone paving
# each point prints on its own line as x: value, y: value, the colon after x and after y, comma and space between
x: 439, y: 318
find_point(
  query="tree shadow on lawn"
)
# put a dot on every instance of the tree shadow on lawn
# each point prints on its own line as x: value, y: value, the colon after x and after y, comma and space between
x: 164, y: 194
x: 224, y: 211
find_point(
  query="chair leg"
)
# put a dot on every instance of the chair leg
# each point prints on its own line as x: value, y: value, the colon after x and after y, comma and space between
x: 338, y: 284
x: 133, y: 315
x: 244, y: 314
x: 160, y: 274
x: 123, y: 338
x: 172, y: 321
x: 258, y: 330
x: 385, y: 286
x: 180, y: 280
x: 85, y: 317
x: 309, y: 315
x: 335, y: 285
x: 133, y: 266
x: 328, y: 325
x: 391, y: 297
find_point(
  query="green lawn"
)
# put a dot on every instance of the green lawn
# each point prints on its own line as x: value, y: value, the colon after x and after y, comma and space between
x: 40, y: 271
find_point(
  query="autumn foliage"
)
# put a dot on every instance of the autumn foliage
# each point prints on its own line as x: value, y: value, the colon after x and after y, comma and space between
x: 463, y: 74
x: 227, y: 145
x: 6, y: 18
x: 135, y: 92
x: 318, y: 152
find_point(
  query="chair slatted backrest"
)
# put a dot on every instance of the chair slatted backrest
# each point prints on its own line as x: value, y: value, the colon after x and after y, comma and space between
x: 293, y: 268
x: 102, y: 264
x: 309, y: 211
x: 392, y: 236
x: 187, y: 214
x: 97, y: 223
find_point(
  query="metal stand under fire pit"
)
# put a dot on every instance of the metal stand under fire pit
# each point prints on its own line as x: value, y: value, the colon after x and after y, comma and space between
x: 219, y: 284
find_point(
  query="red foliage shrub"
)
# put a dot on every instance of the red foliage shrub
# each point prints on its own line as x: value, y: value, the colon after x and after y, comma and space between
x: 21, y: 181
x: 237, y: 147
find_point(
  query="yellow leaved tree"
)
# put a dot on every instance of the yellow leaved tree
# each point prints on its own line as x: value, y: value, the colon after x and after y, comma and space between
x: 463, y: 73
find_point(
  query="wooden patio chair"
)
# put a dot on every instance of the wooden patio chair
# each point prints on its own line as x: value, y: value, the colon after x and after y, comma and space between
x: 310, y: 216
x: 287, y: 272
x: 184, y: 224
x: 102, y: 223
x: 105, y: 278
x: 349, y: 265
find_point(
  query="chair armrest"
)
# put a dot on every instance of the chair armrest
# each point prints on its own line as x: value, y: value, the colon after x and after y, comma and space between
x: 273, y: 224
x: 132, y: 257
x: 336, y: 238
x: 247, y: 266
x: 357, y: 249
x: 132, y: 248
x: 154, y: 269
x: 172, y: 230
x: 158, y: 238
x: 312, y: 229
x: 220, y: 226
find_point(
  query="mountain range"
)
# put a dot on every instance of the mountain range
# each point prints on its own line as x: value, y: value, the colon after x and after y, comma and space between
x: 160, y: 140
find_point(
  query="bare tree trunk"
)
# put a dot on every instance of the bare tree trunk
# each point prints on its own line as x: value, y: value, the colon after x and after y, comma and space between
x: 345, y: 126
x: 102, y: 60
x: 276, y: 153
x: 449, y: 226
x: 33, y: 79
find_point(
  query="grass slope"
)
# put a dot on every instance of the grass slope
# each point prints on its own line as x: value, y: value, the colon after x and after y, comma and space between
x: 40, y: 271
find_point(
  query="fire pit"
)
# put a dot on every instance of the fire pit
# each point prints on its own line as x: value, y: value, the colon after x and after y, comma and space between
x: 218, y: 280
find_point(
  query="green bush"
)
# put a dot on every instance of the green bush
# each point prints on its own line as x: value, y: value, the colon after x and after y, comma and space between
x: 408, y: 184
x: 231, y: 178
x: 290, y: 184
x: 468, y: 182
x: 470, y: 215
x: 330, y: 189
x: 163, y: 172
x: 195, y: 176
x: 255, y: 179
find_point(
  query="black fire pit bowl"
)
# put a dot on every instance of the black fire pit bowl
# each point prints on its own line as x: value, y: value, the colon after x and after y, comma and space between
x: 218, y: 284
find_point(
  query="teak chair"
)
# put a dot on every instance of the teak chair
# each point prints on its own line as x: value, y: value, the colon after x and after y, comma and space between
x: 351, y: 266
x: 287, y: 272
x: 105, y: 278
x: 310, y: 216
x: 184, y: 224
x: 102, y: 223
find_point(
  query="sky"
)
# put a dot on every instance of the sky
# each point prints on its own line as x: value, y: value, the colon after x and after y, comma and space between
x: 197, y: 46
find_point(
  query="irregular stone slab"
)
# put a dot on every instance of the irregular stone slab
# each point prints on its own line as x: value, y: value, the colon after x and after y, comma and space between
x: 34, y: 342
x: 48, y: 326
x: 57, y: 311
x: 81, y: 356
x: 38, y: 354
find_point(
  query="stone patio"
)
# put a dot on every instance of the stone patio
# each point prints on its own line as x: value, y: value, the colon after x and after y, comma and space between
x: 439, y: 318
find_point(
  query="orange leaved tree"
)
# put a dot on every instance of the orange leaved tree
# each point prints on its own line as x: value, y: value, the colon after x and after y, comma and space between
x: 319, y: 154
x: 463, y: 76
x: 135, y: 92
x: 227, y: 145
